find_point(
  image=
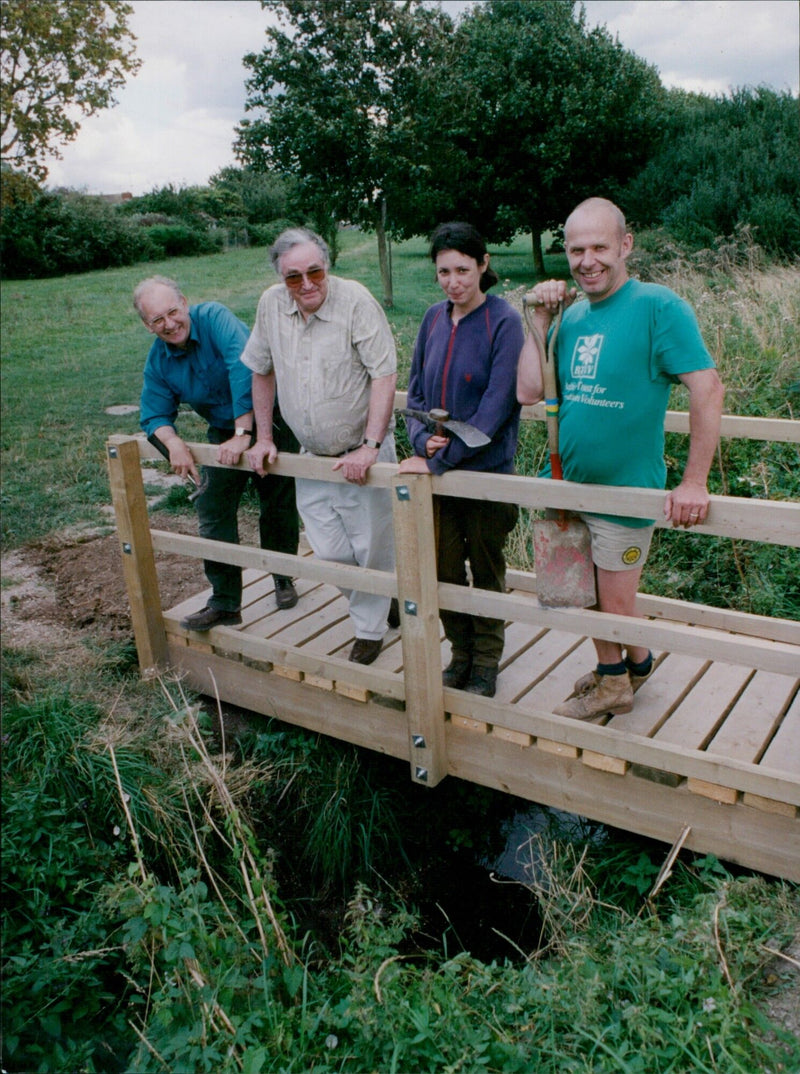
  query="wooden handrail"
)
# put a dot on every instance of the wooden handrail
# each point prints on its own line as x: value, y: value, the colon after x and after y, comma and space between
x: 768, y: 521
x: 740, y: 426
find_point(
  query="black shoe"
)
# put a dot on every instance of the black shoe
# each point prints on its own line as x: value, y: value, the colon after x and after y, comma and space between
x: 393, y: 618
x: 365, y: 650
x: 285, y: 592
x: 482, y: 681
x: 206, y: 618
x: 456, y: 674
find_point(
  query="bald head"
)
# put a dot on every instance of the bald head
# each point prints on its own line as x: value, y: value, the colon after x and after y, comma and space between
x: 600, y: 210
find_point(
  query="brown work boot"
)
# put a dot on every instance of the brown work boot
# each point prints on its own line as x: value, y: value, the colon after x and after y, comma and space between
x: 587, y: 681
x: 608, y: 693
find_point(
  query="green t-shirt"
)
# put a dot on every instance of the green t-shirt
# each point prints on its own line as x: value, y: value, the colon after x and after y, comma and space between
x: 617, y: 361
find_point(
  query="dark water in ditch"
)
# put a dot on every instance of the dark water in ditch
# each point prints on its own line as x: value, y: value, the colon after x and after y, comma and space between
x: 468, y: 860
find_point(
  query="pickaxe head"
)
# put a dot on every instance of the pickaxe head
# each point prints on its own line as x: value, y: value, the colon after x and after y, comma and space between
x: 439, y: 422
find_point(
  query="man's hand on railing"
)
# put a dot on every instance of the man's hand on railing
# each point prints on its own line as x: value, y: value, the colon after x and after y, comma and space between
x: 355, y: 465
x: 687, y: 505
x: 261, y: 455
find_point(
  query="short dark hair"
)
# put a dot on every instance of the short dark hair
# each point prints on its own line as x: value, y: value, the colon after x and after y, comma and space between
x: 465, y: 238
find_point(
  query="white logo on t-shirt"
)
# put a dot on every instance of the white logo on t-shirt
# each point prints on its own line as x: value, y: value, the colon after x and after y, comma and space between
x: 586, y: 356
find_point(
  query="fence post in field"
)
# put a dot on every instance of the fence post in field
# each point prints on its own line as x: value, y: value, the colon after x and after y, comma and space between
x: 138, y: 561
x: 419, y: 608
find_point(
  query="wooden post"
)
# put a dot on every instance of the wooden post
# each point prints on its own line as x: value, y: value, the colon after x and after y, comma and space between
x: 138, y: 561
x: 419, y: 610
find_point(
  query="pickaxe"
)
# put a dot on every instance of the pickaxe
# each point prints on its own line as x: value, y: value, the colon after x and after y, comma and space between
x: 438, y: 422
x: 196, y: 489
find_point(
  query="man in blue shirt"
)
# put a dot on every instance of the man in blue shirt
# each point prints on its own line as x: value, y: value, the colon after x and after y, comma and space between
x: 195, y: 360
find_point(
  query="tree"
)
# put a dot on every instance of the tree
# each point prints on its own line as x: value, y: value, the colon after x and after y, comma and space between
x: 264, y: 196
x: 726, y: 162
x: 533, y: 112
x: 58, y: 56
x: 336, y: 86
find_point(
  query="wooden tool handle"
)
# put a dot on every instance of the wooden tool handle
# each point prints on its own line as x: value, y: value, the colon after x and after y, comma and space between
x: 547, y: 356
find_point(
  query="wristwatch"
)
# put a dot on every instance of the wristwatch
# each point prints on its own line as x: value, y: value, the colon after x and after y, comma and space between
x: 369, y: 442
x: 239, y: 431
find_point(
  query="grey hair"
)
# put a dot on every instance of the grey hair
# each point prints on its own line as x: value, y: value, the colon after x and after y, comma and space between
x: 145, y: 285
x: 297, y: 236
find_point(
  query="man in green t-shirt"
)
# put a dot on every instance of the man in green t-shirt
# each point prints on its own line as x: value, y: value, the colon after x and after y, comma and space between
x: 617, y: 356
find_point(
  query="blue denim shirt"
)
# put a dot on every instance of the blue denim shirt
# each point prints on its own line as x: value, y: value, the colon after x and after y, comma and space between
x: 207, y: 374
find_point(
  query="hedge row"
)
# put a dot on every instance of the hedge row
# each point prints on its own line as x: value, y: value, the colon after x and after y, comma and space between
x: 55, y: 234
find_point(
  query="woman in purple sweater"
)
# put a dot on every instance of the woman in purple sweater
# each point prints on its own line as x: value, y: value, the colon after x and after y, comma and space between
x: 465, y: 362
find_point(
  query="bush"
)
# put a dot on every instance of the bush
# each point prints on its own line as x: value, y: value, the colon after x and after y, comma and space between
x: 179, y: 240
x: 59, y: 233
x: 266, y: 234
x: 724, y: 163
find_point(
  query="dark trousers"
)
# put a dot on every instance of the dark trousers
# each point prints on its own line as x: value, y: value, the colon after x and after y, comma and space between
x: 218, y: 515
x: 473, y: 530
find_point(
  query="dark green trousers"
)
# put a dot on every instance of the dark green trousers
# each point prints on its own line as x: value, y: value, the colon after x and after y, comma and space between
x: 474, y: 531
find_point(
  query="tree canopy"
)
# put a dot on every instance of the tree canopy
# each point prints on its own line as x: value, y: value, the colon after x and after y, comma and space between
x: 725, y: 162
x: 538, y: 112
x: 58, y: 58
x: 333, y: 87
x: 391, y: 117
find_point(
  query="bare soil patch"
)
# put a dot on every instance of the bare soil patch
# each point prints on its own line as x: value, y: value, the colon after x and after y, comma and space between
x: 78, y: 584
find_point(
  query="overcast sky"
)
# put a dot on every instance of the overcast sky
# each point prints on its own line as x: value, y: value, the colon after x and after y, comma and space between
x: 174, y: 122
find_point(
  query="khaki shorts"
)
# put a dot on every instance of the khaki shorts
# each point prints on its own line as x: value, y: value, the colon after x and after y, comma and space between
x: 616, y: 547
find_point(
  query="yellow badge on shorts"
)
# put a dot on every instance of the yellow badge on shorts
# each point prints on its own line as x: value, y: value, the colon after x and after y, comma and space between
x: 631, y: 555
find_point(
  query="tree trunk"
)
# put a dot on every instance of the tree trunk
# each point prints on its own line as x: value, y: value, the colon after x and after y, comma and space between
x: 538, y: 259
x: 384, y: 258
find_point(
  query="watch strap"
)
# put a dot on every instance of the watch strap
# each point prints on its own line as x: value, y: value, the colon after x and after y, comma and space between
x: 369, y: 442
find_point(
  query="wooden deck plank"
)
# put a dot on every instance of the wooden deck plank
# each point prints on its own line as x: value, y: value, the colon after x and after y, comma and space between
x: 517, y: 661
x: 748, y: 728
x: 672, y: 679
x: 753, y: 720
x: 555, y: 661
x: 699, y: 715
x: 302, y: 628
x: 783, y: 752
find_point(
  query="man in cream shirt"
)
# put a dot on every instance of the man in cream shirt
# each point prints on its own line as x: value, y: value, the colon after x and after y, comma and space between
x: 324, y: 343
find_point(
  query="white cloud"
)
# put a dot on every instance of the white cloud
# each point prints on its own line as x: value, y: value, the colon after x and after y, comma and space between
x: 708, y: 46
x: 175, y: 121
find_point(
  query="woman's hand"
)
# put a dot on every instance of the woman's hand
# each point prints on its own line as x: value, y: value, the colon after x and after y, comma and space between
x: 414, y: 465
x: 435, y: 443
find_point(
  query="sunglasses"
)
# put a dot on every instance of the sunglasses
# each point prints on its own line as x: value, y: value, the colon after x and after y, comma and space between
x: 294, y: 280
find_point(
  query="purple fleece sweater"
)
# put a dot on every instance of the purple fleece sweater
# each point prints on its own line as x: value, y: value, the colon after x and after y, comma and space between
x: 469, y: 369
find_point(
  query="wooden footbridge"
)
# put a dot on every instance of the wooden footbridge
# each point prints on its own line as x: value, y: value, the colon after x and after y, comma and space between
x: 710, y: 754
